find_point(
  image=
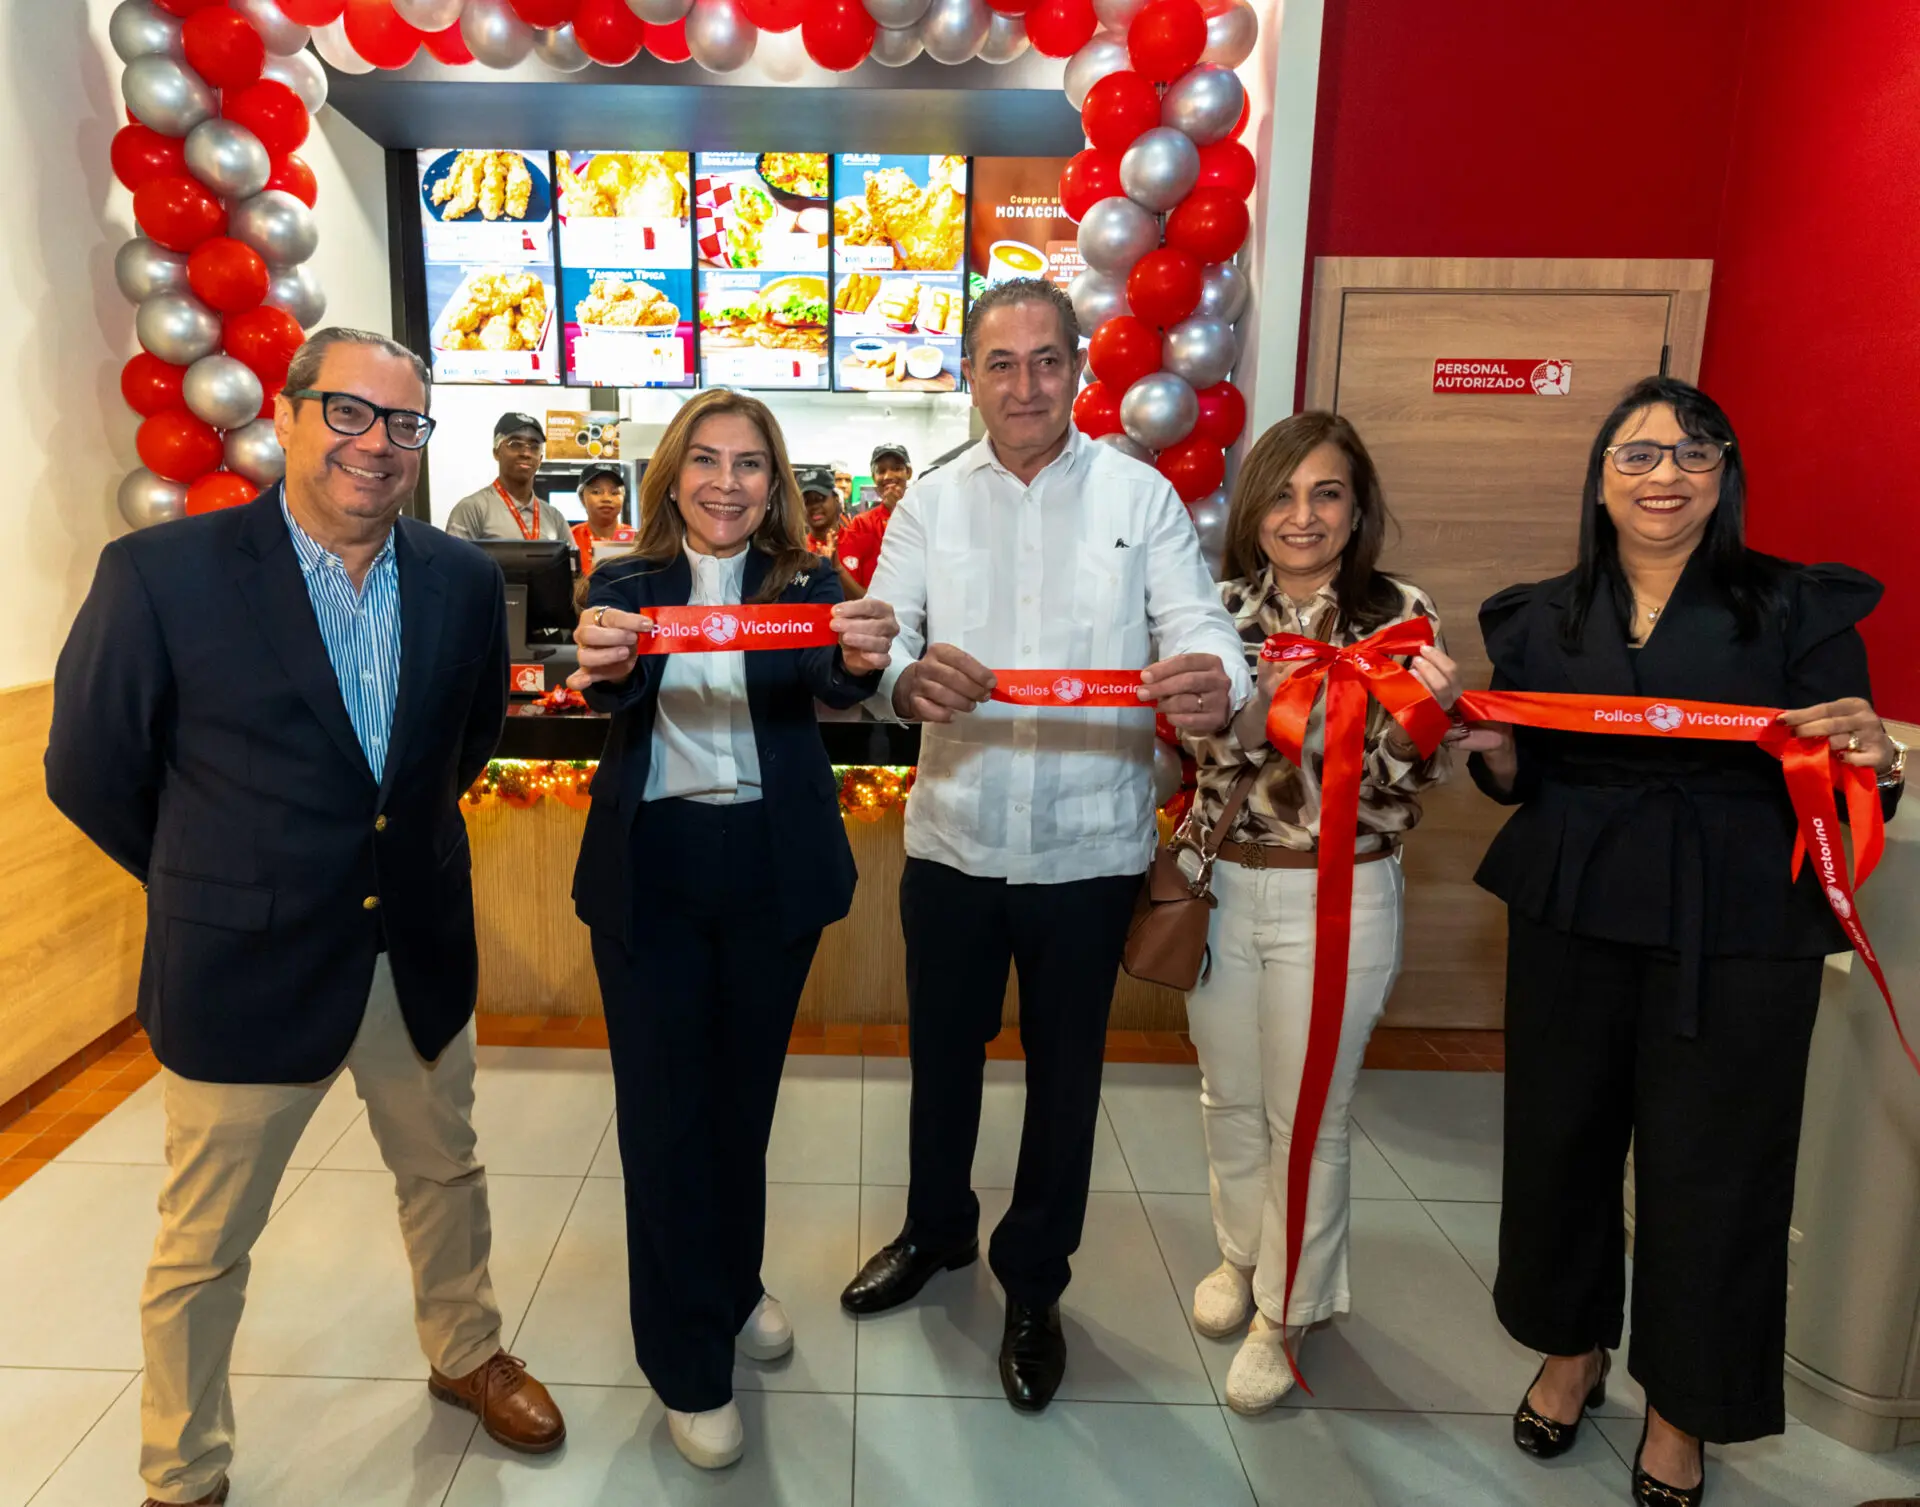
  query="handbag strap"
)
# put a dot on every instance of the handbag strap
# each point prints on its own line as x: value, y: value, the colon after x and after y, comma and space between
x: 1218, y: 833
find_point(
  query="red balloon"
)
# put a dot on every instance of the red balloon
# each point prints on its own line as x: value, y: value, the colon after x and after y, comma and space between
x: 291, y: 175
x: 1164, y: 286
x: 1123, y: 350
x: 271, y: 111
x: 449, y: 46
x: 838, y: 34
x: 178, y: 212
x: 1060, y: 28
x: 176, y: 445
x: 1089, y: 177
x: 1167, y: 38
x: 608, y: 32
x: 227, y: 275
x: 546, y: 12
x: 775, y: 15
x: 265, y: 340
x: 1195, y: 466
x: 380, y: 36
x: 1210, y: 224
x: 219, y: 489
x: 1228, y: 165
x: 1118, y: 108
x: 1012, y: 7
x: 1223, y: 414
x: 141, y: 155
x: 1096, y: 411
x: 312, y: 12
x: 223, y: 49
x: 151, y: 385
x: 668, y: 43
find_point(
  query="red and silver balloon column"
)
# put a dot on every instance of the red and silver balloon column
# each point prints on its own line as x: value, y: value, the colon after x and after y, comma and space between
x: 218, y: 96
x: 1160, y: 195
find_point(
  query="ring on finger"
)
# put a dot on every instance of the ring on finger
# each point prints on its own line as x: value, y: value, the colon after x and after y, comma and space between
x: 599, y: 617
x: 1853, y: 743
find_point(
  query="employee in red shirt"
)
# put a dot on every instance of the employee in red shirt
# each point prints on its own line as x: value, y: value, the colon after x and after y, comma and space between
x: 603, y: 493
x: 859, y: 547
x: 820, y: 500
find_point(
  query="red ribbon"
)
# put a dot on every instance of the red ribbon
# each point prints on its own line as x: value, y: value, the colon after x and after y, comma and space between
x: 1067, y: 687
x: 709, y: 630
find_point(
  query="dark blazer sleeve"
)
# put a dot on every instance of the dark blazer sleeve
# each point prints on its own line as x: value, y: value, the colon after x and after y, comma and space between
x: 1506, y: 620
x: 624, y: 590
x: 488, y: 714
x: 823, y: 669
x: 1826, y: 656
x: 112, y: 694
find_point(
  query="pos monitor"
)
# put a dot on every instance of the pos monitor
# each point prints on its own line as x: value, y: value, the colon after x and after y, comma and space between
x: 539, y: 574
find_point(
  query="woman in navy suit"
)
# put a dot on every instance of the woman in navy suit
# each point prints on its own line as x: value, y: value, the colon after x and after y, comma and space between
x: 714, y: 855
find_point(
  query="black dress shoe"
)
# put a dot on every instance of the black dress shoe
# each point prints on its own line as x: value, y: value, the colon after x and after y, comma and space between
x: 1544, y: 1437
x: 896, y: 1273
x: 1033, y: 1356
x: 1651, y: 1493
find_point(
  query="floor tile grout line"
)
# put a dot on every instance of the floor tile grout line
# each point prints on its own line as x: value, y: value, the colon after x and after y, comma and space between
x: 1226, y: 1423
x: 85, y: 1435
x: 1454, y: 1243
x: 546, y: 1266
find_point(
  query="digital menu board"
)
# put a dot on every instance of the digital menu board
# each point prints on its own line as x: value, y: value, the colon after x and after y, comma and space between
x: 762, y: 223
x: 1018, y: 227
x: 487, y: 227
x: 626, y: 267
x: 899, y: 295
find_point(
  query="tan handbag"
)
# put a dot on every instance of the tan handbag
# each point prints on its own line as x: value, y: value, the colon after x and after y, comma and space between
x: 1167, y: 938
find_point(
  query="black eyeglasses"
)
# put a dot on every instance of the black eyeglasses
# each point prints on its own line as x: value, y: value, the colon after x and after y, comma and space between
x: 1638, y: 457
x: 347, y: 414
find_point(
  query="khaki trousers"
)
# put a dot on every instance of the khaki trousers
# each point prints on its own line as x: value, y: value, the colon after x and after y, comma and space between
x: 227, y: 1146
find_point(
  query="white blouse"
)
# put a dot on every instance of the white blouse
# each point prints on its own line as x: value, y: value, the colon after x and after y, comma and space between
x: 703, y: 747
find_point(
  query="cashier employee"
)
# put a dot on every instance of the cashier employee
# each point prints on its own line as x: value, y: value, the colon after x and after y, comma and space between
x: 820, y: 501
x: 858, y: 549
x: 603, y: 493
x: 506, y: 507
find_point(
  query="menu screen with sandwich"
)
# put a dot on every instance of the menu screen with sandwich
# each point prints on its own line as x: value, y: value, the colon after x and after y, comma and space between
x: 899, y: 294
x: 763, y: 222
x: 626, y: 268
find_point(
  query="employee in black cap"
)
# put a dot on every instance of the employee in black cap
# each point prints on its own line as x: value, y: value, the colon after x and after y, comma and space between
x: 820, y: 500
x: 858, y: 549
x: 506, y: 508
x: 603, y: 493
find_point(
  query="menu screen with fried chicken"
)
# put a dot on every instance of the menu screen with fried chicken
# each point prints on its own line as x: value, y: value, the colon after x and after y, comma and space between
x: 899, y: 293
x: 626, y: 267
x: 762, y: 224
x: 487, y: 226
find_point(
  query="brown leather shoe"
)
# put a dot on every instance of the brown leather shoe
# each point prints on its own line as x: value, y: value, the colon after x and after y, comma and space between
x: 212, y: 1499
x: 514, y: 1409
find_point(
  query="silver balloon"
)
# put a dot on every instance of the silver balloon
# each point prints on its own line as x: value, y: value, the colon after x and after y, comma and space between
x: 720, y: 38
x: 222, y: 391
x: 1159, y: 410
x: 177, y: 327
x: 330, y: 41
x: 1203, y: 104
x: 1209, y: 515
x: 1117, y: 15
x: 952, y: 30
x: 302, y: 74
x: 1201, y: 349
x: 277, y: 225
x: 1097, y: 298
x: 1101, y: 56
x: 145, y: 269
x: 896, y: 49
x: 146, y: 499
x: 1127, y: 446
x: 139, y: 28
x: 228, y: 158
x: 1115, y: 233
x: 297, y: 290
x: 166, y: 96
x: 283, y: 37
x: 1160, y: 168
x: 1224, y: 291
x: 556, y: 47
x: 495, y: 34
x: 253, y: 451
x: 896, y: 15
x: 428, y: 15
x: 1167, y: 773
x: 1231, y: 33
x: 1006, y: 38
x: 660, y: 12
x: 782, y: 57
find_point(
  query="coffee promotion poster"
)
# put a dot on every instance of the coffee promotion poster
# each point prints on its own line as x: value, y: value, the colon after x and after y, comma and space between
x: 1018, y: 227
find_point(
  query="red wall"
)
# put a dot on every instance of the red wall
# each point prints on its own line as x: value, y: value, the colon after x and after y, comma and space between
x: 1813, y: 339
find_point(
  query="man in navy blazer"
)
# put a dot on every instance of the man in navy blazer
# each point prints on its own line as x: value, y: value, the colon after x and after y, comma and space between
x: 268, y: 716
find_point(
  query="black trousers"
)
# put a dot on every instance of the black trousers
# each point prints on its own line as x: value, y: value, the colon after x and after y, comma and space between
x: 1594, y: 1062
x: 699, y: 1012
x: 1064, y: 940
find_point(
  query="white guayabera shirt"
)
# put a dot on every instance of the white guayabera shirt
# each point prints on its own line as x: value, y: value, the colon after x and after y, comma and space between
x: 1095, y: 566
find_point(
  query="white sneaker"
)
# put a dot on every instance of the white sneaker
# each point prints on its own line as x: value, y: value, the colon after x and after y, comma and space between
x: 712, y: 1440
x: 1222, y: 1302
x: 1259, y: 1376
x: 768, y: 1332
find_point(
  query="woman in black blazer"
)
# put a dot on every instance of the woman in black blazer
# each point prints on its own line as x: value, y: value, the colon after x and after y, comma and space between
x: 713, y: 856
x: 1663, y: 969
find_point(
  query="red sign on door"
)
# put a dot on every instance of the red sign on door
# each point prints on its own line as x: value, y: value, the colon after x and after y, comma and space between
x: 1542, y: 376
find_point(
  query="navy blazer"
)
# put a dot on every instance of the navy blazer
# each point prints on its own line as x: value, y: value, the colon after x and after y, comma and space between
x: 807, y: 831
x: 200, y: 738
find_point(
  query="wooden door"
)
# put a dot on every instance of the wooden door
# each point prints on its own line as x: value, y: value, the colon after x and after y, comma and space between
x: 1486, y: 491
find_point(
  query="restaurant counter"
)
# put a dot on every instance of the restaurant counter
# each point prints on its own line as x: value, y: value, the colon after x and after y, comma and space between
x: 525, y: 818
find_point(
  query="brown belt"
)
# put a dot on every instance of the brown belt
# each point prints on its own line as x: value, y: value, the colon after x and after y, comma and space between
x: 1255, y: 855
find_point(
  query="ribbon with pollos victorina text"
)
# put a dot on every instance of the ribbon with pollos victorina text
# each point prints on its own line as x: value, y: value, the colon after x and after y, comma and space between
x: 1067, y: 687
x: 709, y: 630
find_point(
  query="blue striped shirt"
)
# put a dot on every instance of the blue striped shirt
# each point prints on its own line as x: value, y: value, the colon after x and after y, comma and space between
x: 361, y: 630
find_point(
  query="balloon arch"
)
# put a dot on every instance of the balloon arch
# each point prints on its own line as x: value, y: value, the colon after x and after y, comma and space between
x: 219, y: 95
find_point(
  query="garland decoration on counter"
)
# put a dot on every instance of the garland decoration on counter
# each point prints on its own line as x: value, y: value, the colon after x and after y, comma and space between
x: 867, y: 791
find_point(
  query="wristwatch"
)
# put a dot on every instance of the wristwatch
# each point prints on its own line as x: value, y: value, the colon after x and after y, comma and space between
x: 1899, y: 771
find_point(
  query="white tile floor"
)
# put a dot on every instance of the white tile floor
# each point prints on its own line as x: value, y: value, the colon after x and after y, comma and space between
x: 1411, y: 1393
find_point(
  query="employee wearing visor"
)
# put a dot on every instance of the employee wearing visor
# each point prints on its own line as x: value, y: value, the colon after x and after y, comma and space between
x: 603, y: 493
x: 506, y: 507
x: 858, y: 550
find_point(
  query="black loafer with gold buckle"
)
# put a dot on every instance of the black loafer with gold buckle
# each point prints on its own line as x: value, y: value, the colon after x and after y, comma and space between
x: 1544, y: 1437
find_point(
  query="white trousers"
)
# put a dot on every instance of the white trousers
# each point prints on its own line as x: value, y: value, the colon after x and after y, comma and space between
x: 1249, y: 1023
